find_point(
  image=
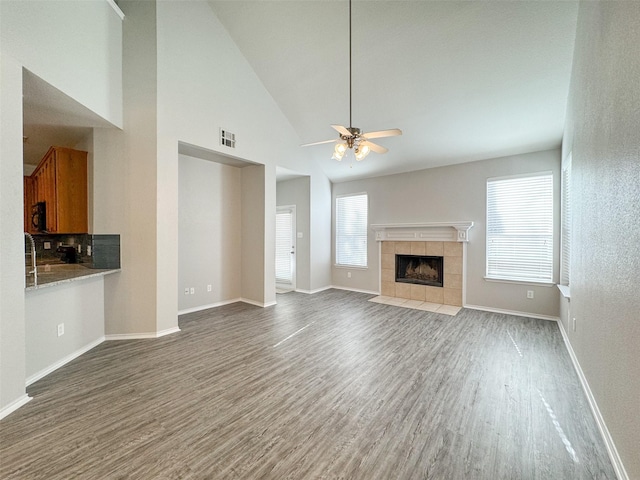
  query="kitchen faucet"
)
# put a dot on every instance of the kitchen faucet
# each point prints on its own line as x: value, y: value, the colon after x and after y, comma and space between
x: 33, y: 258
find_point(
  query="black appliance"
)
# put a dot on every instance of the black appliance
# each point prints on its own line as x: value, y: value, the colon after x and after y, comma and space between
x: 39, y: 216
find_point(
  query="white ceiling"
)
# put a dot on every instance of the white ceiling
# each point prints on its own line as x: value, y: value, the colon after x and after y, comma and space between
x: 52, y: 118
x: 464, y: 80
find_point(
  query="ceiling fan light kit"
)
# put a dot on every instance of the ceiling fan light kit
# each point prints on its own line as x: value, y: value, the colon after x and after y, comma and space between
x: 352, y: 137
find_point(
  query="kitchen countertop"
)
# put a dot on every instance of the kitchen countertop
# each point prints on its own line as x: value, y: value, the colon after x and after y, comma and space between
x: 56, y: 274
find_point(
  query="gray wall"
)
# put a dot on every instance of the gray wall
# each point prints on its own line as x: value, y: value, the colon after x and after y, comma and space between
x: 297, y: 192
x: 79, y: 306
x: 454, y: 193
x: 603, y: 134
x: 253, y: 235
x: 209, y: 242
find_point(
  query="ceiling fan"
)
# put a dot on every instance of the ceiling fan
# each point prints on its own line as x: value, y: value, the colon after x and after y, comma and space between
x: 352, y: 137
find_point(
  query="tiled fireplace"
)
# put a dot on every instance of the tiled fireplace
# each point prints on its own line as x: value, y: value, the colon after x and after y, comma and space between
x: 452, y: 254
x: 424, y: 244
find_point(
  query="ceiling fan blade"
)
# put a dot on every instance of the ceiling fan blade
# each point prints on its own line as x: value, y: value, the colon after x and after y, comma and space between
x: 383, y: 133
x: 374, y: 147
x: 317, y: 143
x: 341, y: 130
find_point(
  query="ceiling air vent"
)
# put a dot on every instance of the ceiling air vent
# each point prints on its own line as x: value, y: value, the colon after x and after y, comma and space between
x: 227, y: 139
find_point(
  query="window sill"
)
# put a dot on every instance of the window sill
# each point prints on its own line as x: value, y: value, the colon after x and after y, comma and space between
x: 351, y: 267
x: 564, y: 290
x: 520, y: 282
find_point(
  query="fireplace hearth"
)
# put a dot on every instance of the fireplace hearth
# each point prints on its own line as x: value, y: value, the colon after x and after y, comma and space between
x: 419, y: 270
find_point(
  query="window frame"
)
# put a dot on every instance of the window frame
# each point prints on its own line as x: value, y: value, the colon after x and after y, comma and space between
x: 363, y: 234
x: 565, y: 223
x: 546, y: 259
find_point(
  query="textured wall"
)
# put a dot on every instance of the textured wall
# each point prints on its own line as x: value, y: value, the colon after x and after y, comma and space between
x: 297, y: 192
x: 603, y: 134
x: 209, y: 241
x: 455, y: 193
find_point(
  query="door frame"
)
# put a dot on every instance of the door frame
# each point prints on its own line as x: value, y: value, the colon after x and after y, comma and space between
x: 290, y: 209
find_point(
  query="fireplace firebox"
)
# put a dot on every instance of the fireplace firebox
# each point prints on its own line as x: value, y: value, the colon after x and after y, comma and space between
x: 419, y: 269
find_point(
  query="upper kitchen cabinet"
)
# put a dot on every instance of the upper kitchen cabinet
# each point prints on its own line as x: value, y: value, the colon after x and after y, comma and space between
x: 60, y: 193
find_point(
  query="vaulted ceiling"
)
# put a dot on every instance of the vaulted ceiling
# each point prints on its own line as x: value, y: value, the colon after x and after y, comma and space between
x: 463, y: 80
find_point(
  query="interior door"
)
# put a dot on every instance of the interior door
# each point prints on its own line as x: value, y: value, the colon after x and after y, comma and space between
x: 286, y: 248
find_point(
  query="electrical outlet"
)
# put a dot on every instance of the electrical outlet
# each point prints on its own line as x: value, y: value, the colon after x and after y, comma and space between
x: 88, y: 250
x: 573, y: 324
x: 208, y: 288
x: 348, y: 274
x: 79, y: 248
x: 60, y: 329
x: 47, y: 245
x: 186, y: 291
x: 529, y: 293
x: 192, y: 291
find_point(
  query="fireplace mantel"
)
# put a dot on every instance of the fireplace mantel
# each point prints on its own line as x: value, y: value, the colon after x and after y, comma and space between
x: 419, y: 232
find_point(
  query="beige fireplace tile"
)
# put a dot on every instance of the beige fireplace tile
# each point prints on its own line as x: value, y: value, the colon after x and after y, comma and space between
x: 418, y: 292
x: 388, y: 275
x: 434, y: 294
x: 389, y: 289
x: 452, y: 249
x: 388, y: 247
x: 412, y: 304
x: 403, y: 248
x: 403, y: 290
x: 418, y: 248
x: 435, y: 249
x: 429, y: 307
x: 452, y: 265
x: 451, y: 280
x: 449, y: 310
x: 452, y: 296
x: 388, y: 261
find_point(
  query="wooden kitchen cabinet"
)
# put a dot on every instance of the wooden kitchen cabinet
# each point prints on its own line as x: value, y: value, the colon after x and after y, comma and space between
x: 29, y: 200
x: 60, y: 180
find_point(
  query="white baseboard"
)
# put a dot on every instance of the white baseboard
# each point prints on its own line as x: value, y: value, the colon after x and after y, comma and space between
x: 258, y: 304
x: 141, y: 336
x: 15, y: 405
x: 51, y: 368
x: 317, y: 290
x: 354, y: 290
x: 208, y: 306
x: 167, y: 331
x: 616, y: 461
x: 514, y: 312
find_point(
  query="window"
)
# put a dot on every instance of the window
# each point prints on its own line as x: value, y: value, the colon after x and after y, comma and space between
x: 351, y: 230
x: 565, y: 249
x: 520, y: 228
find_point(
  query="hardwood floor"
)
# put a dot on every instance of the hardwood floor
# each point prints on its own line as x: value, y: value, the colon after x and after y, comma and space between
x: 317, y: 387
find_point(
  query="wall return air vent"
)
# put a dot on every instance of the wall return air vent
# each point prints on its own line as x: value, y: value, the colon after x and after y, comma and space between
x: 227, y: 139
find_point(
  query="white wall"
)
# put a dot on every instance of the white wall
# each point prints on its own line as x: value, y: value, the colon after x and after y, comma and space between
x: 454, y: 193
x: 297, y: 192
x: 213, y: 87
x: 209, y: 241
x: 75, y: 46
x: 77, y: 305
x: 602, y: 132
x: 12, y: 329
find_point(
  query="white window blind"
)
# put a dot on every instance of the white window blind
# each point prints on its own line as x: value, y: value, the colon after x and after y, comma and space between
x: 283, y: 247
x: 565, y: 240
x: 520, y: 228
x: 351, y: 230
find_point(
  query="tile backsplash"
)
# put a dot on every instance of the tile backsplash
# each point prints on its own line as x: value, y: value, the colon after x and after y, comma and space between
x: 105, y: 249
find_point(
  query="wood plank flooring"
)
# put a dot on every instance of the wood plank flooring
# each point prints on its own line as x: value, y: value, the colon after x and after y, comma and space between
x: 324, y: 386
